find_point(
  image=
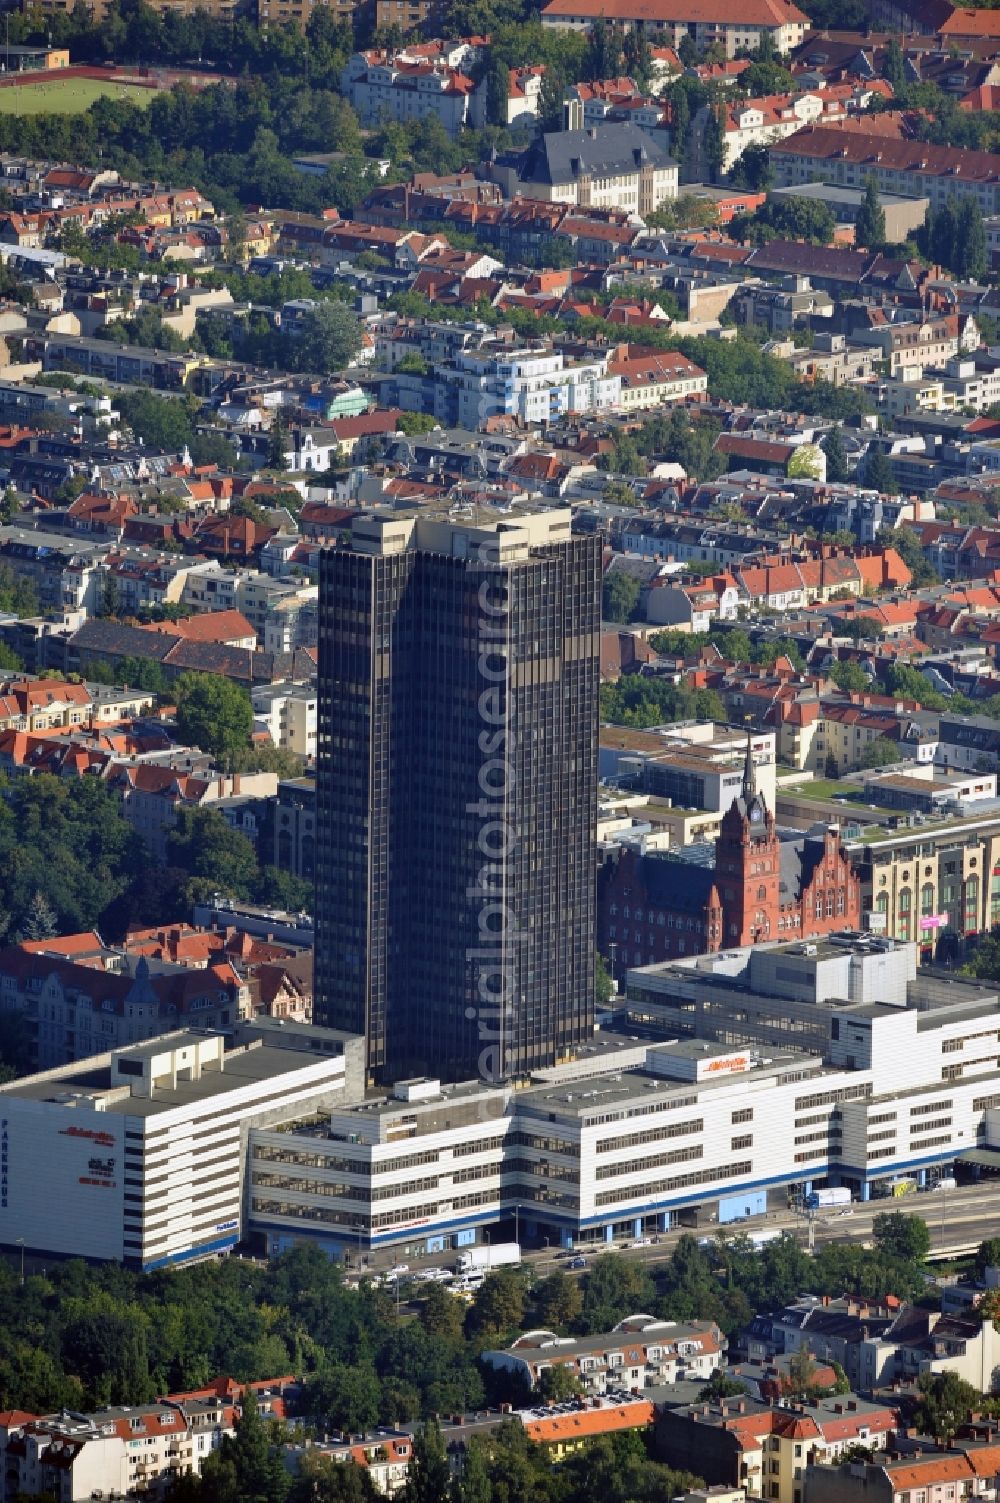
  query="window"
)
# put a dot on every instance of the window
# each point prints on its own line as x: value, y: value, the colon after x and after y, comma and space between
x: 746, y: 1141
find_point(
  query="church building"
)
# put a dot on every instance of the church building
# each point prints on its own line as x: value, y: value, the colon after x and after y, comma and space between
x: 663, y: 906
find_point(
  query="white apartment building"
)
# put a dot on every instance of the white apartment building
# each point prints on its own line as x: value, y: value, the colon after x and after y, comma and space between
x: 958, y: 385
x: 291, y: 619
x: 209, y: 587
x: 535, y: 386
x: 124, y: 1452
x: 639, y: 1352
x: 282, y: 612
x: 383, y: 87
x: 288, y: 713
x: 138, y: 1155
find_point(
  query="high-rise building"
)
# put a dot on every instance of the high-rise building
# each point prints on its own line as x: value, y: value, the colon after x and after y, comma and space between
x: 457, y: 778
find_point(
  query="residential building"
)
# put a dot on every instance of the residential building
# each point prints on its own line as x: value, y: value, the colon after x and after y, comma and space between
x: 288, y: 713
x: 136, y: 1155
x: 915, y: 169
x: 655, y: 378
x: 667, y: 22
x: 762, y: 121
x: 934, y: 1473
x: 152, y: 793
x: 536, y: 386
x: 640, y: 1352
x: 604, y: 166
x: 410, y: 85
x: 767, y: 1448
x: 126, y: 1451
x: 410, y: 765
x: 66, y: 574
x: 75, y: 998
x: 909, y: 347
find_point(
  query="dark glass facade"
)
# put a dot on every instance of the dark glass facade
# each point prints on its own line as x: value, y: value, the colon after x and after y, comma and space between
x: 456, y: 808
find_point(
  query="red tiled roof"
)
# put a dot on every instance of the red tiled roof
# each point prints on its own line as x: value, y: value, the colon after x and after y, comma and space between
x: 829, y: 142
x: 722, y: 12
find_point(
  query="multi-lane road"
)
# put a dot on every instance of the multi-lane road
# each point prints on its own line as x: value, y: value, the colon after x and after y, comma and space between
x: 958, y: 1220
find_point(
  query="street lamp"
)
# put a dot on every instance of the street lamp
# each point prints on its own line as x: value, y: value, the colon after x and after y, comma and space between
x: 487, y: 1236
x: 20, y: 1243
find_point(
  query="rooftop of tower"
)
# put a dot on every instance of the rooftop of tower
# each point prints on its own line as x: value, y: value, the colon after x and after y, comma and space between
x: 494, y: 534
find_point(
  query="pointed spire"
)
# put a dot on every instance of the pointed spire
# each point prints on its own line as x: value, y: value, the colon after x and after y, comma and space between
x: 749, y: 774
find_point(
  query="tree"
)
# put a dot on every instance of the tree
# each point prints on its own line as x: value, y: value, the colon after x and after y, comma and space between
x: 604, y: 988
x: 807, y: 461
x: 428, y: 1478
x: 247, y: 1467
x: 721, y: 1386
x: 320, y: 1479
x: 441, y: 1314
x: 214, y: 714
x: 836, y: 456
x: 987, y: 1255
x: 40, y: 920
x: 880, y: 753
x: 559, y: 1383
x: 330, y: 339
x: 945, y: 1403
x: 970, y: 258
x: 849, y: 675
x: 620, y: 596
x: 217, y: 857
x: 897, y: 1235
x: 614, y: 1287
x: 869, y: 229
x: 557, y: 1300
x: 907, y: 682
x: 344, y: 1397
x: 499, y: 1304
x: 894, y: 68
x: 105, y: 1345
x: 752, y: 169
x: 550, y: 99
x: 879, y: 473
x: 801, y: 1370
x: 713, y: 145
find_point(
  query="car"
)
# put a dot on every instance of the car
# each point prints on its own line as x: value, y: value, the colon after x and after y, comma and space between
x: 842, y: 1214
x: 577, y: 1262
x: 641, y: 1242
x: 398, y: 1270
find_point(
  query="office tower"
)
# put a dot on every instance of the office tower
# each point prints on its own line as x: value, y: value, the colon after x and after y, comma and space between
x: 456, y: 799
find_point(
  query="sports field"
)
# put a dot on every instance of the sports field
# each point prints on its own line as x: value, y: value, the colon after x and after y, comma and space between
x: 67, y: 96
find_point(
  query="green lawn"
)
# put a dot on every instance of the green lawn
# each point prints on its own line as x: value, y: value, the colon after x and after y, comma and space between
x: 823, y: 788
x: 69, y: 97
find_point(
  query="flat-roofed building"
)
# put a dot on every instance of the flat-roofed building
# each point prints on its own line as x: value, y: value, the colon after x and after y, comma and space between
x: 138, y: 1155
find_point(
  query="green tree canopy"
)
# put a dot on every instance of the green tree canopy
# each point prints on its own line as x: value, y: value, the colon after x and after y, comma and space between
x: 620, y: 596
x: 213, y: 713
x: 901, y: 1236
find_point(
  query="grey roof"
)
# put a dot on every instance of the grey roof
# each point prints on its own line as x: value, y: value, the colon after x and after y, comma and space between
x: 606, y: 150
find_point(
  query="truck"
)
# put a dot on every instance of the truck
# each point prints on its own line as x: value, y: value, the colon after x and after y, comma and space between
x: 492, y: 1255
x: 833, y: 1195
